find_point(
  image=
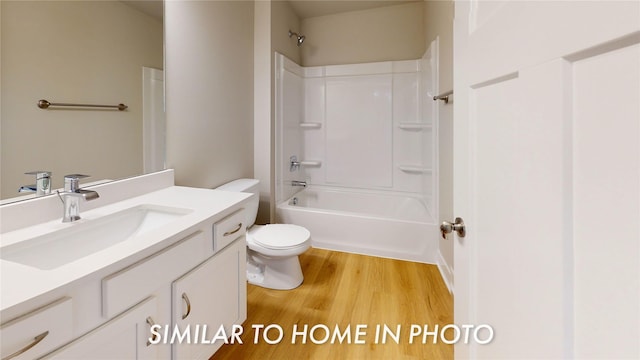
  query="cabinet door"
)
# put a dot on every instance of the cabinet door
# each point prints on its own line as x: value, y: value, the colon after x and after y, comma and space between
x: 211, y: 295
x: 124, y: 337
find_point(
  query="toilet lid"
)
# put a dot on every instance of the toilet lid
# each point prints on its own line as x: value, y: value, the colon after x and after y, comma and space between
x: 280, y: 236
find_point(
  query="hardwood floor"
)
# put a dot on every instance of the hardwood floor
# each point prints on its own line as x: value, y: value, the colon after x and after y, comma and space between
x: 347, y: 290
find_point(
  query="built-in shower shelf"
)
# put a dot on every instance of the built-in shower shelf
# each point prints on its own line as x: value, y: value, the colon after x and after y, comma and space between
x: 414, y: 126
x: 310, y: 125
x: 414, y: 169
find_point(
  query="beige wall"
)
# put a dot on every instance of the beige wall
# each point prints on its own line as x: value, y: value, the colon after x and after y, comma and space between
x: 82, y: 52
x: 381, y: 34
x: 438, y: 17
x: 209, y: 90
x: 262, y: 124
x: 272, y: 22
x: 439, y: 23
x: 284, y: 19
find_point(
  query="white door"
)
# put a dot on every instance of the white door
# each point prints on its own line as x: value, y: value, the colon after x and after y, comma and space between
x: 547, y: 177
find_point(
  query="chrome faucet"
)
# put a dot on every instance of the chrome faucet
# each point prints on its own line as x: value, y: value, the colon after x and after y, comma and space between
x: 71, y: 197
x: 42, y: 185
x: 298, y: 183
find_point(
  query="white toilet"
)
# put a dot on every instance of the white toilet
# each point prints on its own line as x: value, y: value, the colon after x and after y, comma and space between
x: 272, y: 250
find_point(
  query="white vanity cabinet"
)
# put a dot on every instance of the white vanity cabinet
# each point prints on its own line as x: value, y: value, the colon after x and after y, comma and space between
x: 196, y: 280
x: 126, y: 264
x: 205, y: 276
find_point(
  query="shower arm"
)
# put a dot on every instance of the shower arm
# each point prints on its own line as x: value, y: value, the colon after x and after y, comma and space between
x: 299, y: 38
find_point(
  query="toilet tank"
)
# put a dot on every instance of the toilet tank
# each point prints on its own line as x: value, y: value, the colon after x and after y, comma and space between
x: 248, y: 186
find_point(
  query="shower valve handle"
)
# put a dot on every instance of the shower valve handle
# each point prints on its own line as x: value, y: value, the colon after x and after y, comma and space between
x: 294, y: 164
x: 457, y: 226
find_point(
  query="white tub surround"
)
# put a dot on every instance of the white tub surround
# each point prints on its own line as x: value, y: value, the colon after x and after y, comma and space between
x: 146, y: 274
x: 360, y: 126
x: 367, y: 129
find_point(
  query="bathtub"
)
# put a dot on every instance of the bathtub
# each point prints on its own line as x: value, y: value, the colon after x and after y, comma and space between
x: 390, y: 225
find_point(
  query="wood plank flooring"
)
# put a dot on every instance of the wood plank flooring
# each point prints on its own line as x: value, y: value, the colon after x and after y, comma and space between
x: 348, y: 290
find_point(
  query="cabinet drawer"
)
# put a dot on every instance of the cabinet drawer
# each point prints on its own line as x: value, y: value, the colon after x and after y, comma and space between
x: 228, y: 229
x: 132, y: 284
x: 38, y: 332
x: 124, y: 337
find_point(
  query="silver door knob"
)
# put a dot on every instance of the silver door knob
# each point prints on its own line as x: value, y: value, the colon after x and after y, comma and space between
x: 457, y: 226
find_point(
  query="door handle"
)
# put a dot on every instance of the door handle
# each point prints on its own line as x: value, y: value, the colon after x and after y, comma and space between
x: 457, y: 226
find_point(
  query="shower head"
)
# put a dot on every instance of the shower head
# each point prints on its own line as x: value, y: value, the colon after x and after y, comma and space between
x: 299, y: 38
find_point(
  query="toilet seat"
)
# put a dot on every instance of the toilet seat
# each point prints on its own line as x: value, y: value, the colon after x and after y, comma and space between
x: 280, y: 236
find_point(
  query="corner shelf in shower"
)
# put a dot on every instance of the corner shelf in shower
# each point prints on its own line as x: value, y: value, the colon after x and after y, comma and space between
x: 414, y: 126
x: 412, y: 169
x: 310, y: 125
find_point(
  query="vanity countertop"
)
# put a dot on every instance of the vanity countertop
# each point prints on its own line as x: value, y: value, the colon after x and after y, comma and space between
x: 21, y: 284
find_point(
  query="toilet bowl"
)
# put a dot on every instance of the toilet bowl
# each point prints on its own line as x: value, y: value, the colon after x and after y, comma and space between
x: 272, y: 255
x: 272, y: 250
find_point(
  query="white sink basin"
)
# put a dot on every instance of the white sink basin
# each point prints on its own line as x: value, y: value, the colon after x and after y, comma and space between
x: 60, y: 247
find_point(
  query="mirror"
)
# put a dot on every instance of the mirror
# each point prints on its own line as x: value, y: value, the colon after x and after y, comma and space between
x: 81, y: 52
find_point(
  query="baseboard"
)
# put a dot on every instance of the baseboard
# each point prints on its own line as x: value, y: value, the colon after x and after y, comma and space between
x: 445, y: 272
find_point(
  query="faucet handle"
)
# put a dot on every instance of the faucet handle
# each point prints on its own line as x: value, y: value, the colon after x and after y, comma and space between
x: 43, y: 182
x: 76, y: 176
x: 294, y: 164
x: 40, y: 174
x: 71, y: 181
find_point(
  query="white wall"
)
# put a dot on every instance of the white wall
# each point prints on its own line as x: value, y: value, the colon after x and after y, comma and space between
x: 209, y: 84
x: 73, y: 52
x: 380, y: 34
x: 438, y: 17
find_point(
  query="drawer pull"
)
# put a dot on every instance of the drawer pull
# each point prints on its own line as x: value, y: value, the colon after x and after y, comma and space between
x: 233, y: 231
x: 35, y: 342
x: 186, y: 300
x: 151, y: 324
